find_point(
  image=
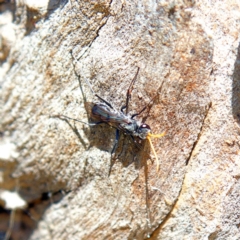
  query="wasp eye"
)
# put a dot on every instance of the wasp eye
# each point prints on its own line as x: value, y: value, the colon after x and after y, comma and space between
x: 145, y: 126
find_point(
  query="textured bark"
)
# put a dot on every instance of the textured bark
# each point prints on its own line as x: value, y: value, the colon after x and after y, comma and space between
x: 59, y: 168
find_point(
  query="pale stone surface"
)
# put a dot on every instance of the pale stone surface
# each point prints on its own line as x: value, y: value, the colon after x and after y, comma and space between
x: 61, y: 168
x: 12, y: 200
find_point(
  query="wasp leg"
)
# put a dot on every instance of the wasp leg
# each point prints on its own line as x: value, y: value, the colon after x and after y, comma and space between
x: 136, y: 114
x: 105, y: 101
x: 135, y: 142
x: 96, y: 95
x: 113, y: 150
x: 129, y: 92
x: 148, y: 105
x: 63, y: 117
x: 116, y: 141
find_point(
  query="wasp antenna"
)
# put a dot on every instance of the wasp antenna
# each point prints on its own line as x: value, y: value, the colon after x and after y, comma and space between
x: 152, y: 147
x: 156, y: 135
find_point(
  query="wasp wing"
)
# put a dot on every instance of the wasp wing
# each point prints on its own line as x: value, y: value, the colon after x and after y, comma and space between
x: 102, y: 112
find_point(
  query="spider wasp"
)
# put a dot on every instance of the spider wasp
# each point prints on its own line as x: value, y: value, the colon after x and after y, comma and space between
x: 122, y: 121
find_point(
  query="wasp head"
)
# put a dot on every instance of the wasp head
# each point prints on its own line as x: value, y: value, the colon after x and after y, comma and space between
x: 143, y: 131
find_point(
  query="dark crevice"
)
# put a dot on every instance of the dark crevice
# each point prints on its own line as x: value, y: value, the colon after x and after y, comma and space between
x: 6, y: 6
x: 156, y: 232
x: 199, y: 134
x: 22, y: 222
x: 97, y: 33
x: 90, y: 44
x: 161, y: 225
x: 236, y: 88
x: 34, y: 16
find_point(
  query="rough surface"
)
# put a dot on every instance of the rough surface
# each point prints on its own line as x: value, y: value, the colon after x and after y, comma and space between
x: 188, y: 56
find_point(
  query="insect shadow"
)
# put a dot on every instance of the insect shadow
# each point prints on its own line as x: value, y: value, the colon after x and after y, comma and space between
x: 124, y: 123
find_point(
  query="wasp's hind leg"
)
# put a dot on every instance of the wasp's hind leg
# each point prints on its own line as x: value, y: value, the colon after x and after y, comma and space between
x: 129, y: 92
x: 63, y: 117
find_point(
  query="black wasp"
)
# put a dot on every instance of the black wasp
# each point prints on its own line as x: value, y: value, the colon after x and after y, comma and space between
x: 104, y: 112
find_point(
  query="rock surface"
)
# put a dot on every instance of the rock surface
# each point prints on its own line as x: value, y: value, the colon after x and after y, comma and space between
x: 188, y: 56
